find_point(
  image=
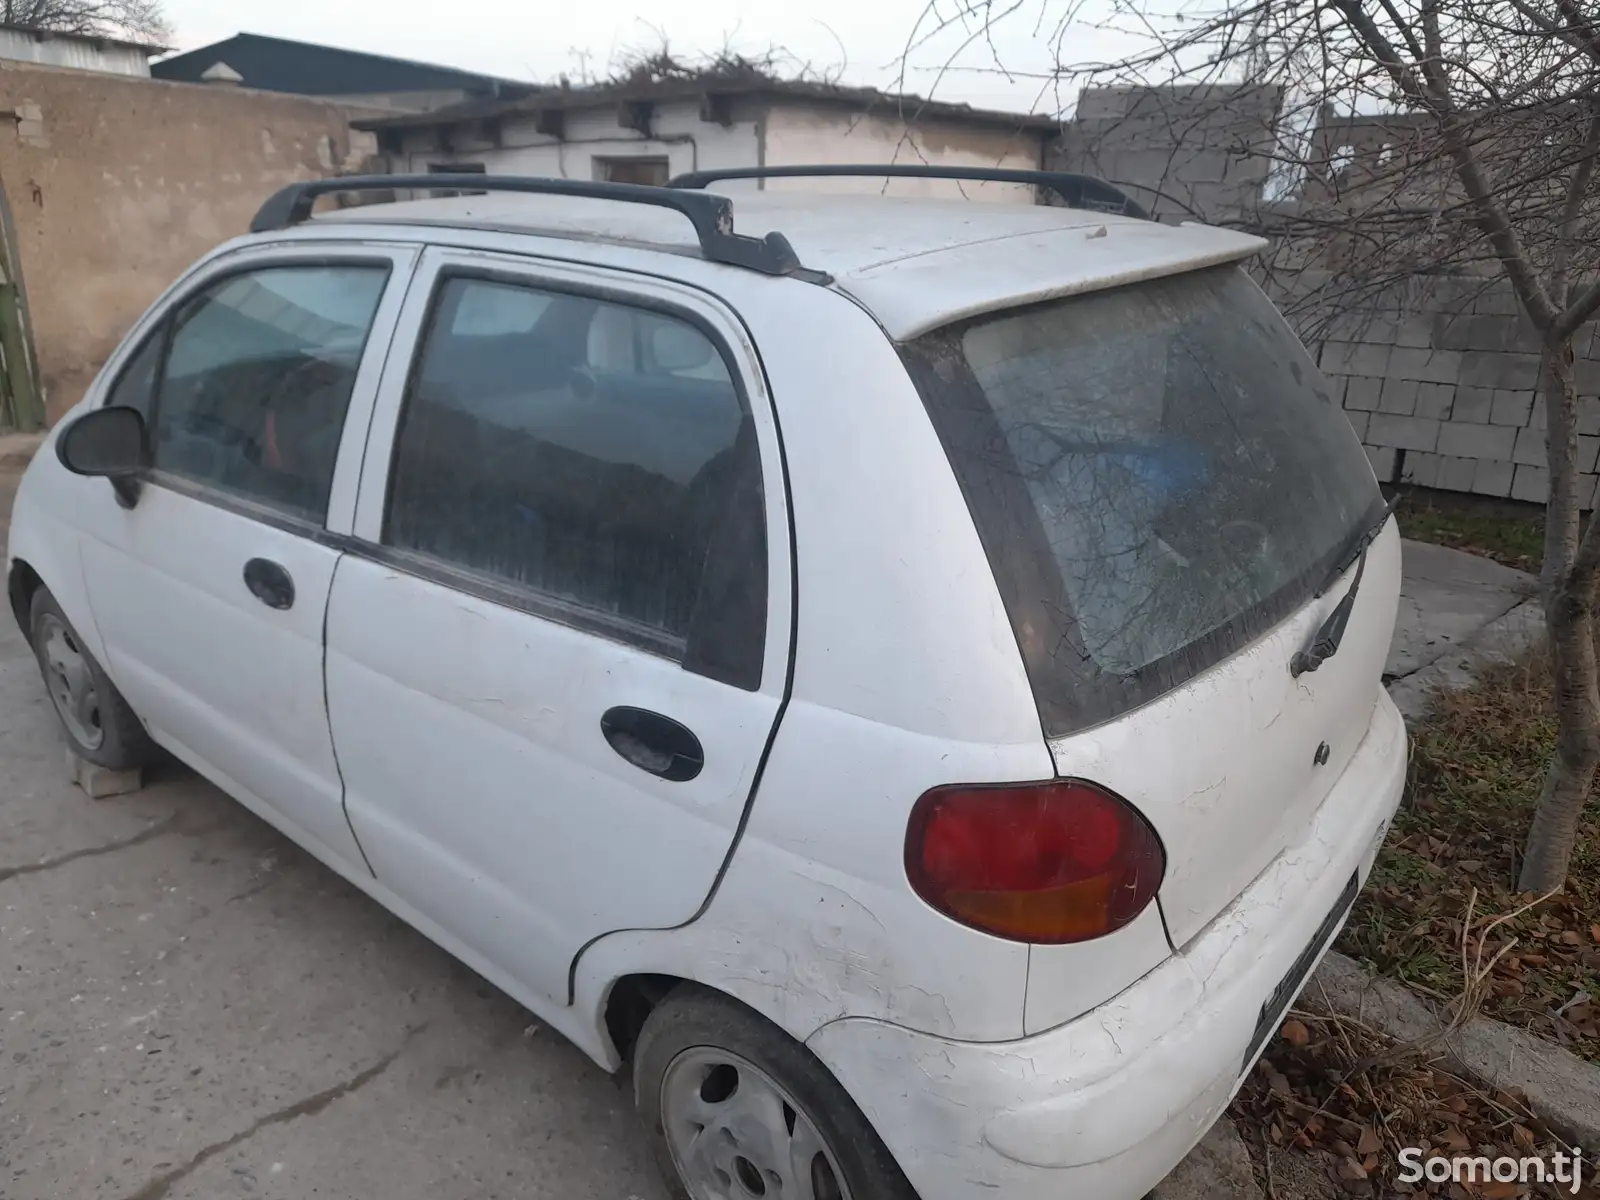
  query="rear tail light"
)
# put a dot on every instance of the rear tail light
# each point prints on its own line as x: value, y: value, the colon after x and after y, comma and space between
x: 1063, y: 861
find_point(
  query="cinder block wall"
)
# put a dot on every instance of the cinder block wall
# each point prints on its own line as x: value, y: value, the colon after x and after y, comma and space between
x: 1439, y: 383
x: 1437, y: 376
x: 1185, y: 153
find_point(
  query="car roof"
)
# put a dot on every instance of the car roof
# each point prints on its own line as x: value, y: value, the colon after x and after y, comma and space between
x: 915, y: 264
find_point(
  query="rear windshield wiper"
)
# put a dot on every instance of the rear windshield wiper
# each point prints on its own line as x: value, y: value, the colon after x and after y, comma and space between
x: 1331, y: 633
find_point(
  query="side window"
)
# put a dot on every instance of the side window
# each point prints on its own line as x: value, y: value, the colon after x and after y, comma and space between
x: 593, y: 452
x: 258, y: 375
x: 136, y: 386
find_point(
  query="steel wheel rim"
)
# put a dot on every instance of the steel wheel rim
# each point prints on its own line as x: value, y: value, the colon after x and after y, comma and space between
x: 736, y: 1134
x: 71, y: 684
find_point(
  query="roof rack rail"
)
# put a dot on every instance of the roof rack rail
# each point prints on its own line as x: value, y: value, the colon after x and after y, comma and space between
x: 711, y: 216
x: 1076, y: 191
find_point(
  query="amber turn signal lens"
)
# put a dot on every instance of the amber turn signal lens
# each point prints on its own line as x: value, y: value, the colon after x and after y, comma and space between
x: 1063, y: 861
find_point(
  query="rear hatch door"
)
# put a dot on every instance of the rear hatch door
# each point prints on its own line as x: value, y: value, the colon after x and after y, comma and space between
x: 1165, y: 486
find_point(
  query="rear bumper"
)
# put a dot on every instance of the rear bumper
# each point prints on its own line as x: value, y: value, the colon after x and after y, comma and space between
x: 1107, y: 1104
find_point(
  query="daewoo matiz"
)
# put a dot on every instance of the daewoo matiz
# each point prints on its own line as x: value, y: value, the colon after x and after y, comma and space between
x: 906, y: 684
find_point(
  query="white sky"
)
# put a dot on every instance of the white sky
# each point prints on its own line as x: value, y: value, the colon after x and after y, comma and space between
x: 539, y: 40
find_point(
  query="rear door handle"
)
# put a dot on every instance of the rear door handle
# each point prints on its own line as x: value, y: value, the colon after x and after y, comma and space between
x: 269, y: 583
x: 653, y: 743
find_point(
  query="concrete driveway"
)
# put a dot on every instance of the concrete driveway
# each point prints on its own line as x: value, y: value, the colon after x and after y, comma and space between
x: 191, y: 1007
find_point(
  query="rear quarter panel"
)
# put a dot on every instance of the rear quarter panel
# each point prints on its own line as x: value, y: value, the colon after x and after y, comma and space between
x: 907, y: 676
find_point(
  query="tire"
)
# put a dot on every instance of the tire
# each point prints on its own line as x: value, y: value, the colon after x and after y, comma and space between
x: 698, y: 1043
x: 102, y: 729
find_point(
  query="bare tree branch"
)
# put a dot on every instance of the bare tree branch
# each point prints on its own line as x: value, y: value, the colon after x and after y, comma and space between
x: 1428, y: 88
x: 133, y: 19
x: 1577, y: 193
x: 1580, y: 29
x: 1580, y: 312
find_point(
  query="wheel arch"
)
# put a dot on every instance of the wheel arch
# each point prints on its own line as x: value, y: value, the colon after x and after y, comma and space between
x: 628, y: 1004
x: 46, y: 550
x: 612, y: 1012
x: 22, y: 583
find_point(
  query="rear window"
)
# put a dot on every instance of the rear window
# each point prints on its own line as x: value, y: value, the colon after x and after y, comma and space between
x: 1158, y: 473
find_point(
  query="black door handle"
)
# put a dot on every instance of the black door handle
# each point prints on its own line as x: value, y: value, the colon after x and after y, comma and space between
x: 653, y: 743
x: 269, y: 583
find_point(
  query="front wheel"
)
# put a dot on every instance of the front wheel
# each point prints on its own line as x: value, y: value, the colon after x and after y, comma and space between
x: 99, y: 725
x: 734, y: 1108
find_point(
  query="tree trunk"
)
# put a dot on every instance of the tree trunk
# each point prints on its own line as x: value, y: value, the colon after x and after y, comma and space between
x: 1568, y: 580
x: 1558, y: 393
x: 1566, y: 784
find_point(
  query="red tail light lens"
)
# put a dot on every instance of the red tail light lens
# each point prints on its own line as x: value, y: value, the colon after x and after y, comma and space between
x: 1063, y: 861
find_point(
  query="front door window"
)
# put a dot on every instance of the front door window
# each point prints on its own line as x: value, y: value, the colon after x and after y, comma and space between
x: 259, y: 371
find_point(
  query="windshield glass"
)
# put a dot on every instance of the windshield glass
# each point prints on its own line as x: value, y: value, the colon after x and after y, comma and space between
x: 1158, y: 472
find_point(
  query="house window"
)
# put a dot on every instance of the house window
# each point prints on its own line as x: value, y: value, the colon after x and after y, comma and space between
x: 457, y: 168
x: 653, y: 171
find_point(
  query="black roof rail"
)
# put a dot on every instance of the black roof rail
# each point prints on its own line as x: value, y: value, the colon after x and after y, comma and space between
x: 711, y: 216
x: 1076, y: 191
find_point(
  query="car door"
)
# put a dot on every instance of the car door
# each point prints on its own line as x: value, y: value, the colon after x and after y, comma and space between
x: 211, y: 586
x: 559, y: 647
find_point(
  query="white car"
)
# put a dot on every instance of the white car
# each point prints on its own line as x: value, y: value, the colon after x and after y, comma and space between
x: 908, y: 684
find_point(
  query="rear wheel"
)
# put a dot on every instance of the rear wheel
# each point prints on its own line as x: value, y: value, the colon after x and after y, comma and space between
x: 736, y: 1109
x: 99, y: 725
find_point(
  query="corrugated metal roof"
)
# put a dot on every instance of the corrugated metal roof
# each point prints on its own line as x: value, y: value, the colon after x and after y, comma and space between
x: 309, y: 69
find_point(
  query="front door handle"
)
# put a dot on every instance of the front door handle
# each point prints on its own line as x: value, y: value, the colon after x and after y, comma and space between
x: 653, y: 743
x: 269, y: 583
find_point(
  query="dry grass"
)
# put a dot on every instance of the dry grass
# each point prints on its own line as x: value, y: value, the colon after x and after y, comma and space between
x: 1337, y: 1101
x: 1441, y: 911
x: 1509, y: 533
x: 1334, y: 1100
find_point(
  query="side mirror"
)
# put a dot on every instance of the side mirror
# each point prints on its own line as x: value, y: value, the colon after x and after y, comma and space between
x: 110, y: 442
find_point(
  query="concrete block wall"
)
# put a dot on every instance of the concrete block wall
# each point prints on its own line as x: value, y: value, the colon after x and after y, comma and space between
x: 1185, y: 153
x: 1438, y: 374
x: 1439, y: 382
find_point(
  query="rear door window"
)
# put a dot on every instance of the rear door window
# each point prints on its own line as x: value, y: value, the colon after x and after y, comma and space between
x: 596, y: 461
x: 1158, y: 473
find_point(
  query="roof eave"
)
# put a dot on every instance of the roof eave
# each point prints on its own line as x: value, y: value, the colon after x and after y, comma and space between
x: 915, y: 107
x: 148, y: 49
x: 558, y: 99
